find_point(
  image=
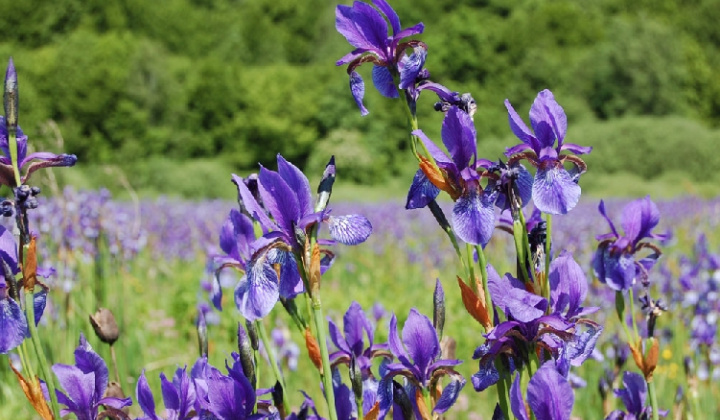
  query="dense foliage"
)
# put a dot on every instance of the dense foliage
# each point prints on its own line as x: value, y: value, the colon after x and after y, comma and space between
x: 242, y: 80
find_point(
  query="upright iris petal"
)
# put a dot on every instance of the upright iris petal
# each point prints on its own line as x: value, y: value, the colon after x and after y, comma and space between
x: 555, y: 189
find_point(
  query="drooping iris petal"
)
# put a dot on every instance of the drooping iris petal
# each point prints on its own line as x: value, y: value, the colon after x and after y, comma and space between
x: 549, y: 394
x: 473, y: 218
x: 421, y: 340
x: 8, y: 249
x: 384, y: 82
x: 458, y: 135
x: 517, y: 403
x: 258, y: 291
x: 554, y: 191
x: 350, y: 229
x: 39, y: 302
x: 449, y: 396
x: 357, y: 88
x: 145, y: 398
x: 13, y: 324
x: 487, y: 375
x: 421, y: 192
x: 619, y: 270
x: 583, y: 343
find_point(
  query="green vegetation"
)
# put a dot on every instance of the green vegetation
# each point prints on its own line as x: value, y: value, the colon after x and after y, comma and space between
x: 235, y: 82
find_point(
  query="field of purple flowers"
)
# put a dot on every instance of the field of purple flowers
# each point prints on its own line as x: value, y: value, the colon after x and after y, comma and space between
x: 495, y: 290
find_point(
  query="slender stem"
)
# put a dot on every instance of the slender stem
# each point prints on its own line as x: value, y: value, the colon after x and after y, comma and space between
x: 27, y: 367
x: 272, y: 357
x: 502, y: 391
x: 114, y: 362
x: 326, y: 373
x: 653, y: 400
x: 548, y: 244
x: 632, y: 313
x: 49, y: 380
x: 482, y: 261
x: 12, y: 141
x: 526, y: 244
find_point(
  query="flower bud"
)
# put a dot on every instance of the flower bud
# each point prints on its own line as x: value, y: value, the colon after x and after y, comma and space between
x: 246, y: 355
x: 106, y: 329
x: 10, y: 98
x: 202, y: 335
x: 439, y: 308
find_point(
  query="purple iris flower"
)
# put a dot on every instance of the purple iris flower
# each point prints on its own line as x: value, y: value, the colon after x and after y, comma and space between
x: 473, y: 216
x: 549, y: 395
x: 634, y: 397
x: 419, y: 361
x: 13, y: 322
x: 366, y: 28
x: 178, y: 396
x: 32, y: 162
x: 533, y: 322
x: 352, y: 343
x: 555, y: 189
x: 286, y: 196
x: 615, y: 259
x: 85, y: 384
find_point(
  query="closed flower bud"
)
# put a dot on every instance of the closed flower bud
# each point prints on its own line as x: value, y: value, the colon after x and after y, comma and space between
x: 105, y: 327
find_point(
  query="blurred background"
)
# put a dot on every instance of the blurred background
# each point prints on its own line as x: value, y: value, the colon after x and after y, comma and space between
x: 157, y: 90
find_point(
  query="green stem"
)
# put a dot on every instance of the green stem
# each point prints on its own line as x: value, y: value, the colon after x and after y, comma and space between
x: 502, y: 391
x: 526, y: 245
x: 653, y: 400
x: 262, y: 332
x: 49, y: 380
x: 632, y: 313
x: 482, y: 261
x: 548, y: 244
x: 326, y: 373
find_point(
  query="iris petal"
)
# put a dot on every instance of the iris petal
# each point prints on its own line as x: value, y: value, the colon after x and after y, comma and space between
x: 384, y: 82
x: 421, y: 192
x: 549, y: 394
x: 473, y: 218
x: 351, y: 229
x: 257, y: 292
x: 357, y: 88
x: 554, y: 191
x: 13, y: 325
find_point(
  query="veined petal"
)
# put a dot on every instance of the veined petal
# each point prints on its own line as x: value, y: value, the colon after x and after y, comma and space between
x: 372, y: 27
x: 383, y: 81
x: 473, y: 218
x: 486, y: 376
x: 13, y: 323
x: 619, y: 270
x: 9, y: 249
x: 410, y: 66
x: 459, y: 136
x: 79, y: 387
x: 421, y: 342
x: 347, y: 23
x: 279, y: 199
x: 549, y: 394
x: 351, y: 229
x: 554, y: 191
x: 357, y: 88
x: 518, y: 127
x: 639, y: 218
x: 421, y: 192
x: 258, y: 291
x: 574, y: 148
x: 39, y: 302
x: 583, y: 343
x: 548, y: 119
x: 449, y: 395
x: 567, y: 279
x: 298, y: 183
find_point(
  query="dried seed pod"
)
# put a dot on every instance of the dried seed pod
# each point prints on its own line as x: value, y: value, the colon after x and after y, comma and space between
x: 105, y: 327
